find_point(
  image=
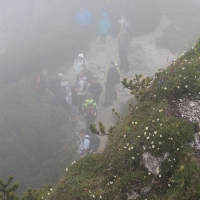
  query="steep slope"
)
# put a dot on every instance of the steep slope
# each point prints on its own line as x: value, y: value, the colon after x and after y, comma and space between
x: 148, y: 155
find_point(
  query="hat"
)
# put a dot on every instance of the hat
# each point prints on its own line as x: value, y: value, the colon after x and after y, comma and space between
x: 81, y: 55
x: 60, y: 75
x: 116, y: 63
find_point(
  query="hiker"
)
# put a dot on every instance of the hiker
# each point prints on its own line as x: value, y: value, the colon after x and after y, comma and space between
x: 87, y: 72
x: 95, y: 89
x: 84, y: 143
x: 128, y: 28
x: 124, y: 44
x: 74, y: 105
x: 113, y: 78
x: 90, y: 110
x: 65, y: 93
x: 55, y: 87
x: 40, y: 84
x: 121, y: 22
x: 78, y: 65
x: 111, y: 12
x: 83, y: 17
x: 104, y: 26
x: 82, y: 91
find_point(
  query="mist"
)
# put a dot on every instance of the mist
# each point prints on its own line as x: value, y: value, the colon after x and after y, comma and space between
x: 37, y: 139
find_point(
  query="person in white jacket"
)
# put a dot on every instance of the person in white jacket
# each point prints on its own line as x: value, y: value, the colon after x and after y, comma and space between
x: 78, y: 65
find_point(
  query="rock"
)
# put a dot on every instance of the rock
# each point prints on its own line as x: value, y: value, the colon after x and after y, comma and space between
x: 145, y: 190
x: 133, y: 195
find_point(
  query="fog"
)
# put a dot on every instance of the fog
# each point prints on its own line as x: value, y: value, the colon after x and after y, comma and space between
x: 43, y: 34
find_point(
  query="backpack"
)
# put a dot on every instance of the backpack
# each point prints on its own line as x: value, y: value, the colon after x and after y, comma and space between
x: 90, y: 109
x: 36, y: 83
x: 94, y: 142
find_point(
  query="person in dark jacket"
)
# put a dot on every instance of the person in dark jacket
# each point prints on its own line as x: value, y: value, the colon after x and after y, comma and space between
x: 55, y: 88
x: 96, y: 89
x: 74, y: 105
x: 113, y: 78
x: 124, y: 44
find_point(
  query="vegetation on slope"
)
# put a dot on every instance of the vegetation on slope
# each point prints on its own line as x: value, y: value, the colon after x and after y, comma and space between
x: 122, y: 170
x: 34, y: 139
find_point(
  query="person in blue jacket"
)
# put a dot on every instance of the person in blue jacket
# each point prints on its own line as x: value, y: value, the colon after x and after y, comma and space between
x: 83, y: 17
x: 104, y: 26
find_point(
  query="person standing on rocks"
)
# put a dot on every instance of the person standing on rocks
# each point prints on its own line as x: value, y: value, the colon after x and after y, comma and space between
x: 96, y: 89
x: 104, y: 26
x: 90, y: 111
x: 83, y: 17
x: 113, y: 78
x: 124, y: 44
x: 78, y: 65
x: 82, y: 89
x: 85, y: 143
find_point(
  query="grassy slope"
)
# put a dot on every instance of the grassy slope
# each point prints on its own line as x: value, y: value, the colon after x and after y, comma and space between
x: 119, y: 170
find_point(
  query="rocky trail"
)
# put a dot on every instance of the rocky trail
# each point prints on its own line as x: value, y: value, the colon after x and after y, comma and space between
x: 144, y: 57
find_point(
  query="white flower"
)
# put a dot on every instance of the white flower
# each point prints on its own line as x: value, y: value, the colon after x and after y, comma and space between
x: 132, y: 122
x: 93, y: 196
x: 100, y: 197
x: 183, y: 68
x: 169, y: 185
x: 160, y: 135
x: 66, y: 169
x: 51, y: 189
x: 179, y: 75
x: 148, y: 138
x: 153, y: 146
x: 48, y: 193
x: 135, y: 122
x: 158, y: 119
x: 89, y: 191
x: 155, y: 132
x: 177, y: 149
x: 145, y: 133
x: 152, y: 142
x: 178, y: 86
x: 115, y: 176
x: 157, y: 170
x: 159, y: 175
x: 138, y: 136
x: 165, y: 88
x: 144, y: 147
x: 154, y: 95
x: 146, y: 128
x: 127, y: 144
x: 111, y: 182
x: 186, y: 86
x: 160, y: 124
x: 124, y: 135
x: 149, y: 173
x: 133, y: 158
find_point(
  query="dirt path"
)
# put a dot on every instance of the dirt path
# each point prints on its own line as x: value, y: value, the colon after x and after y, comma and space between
x: 145, y: 58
